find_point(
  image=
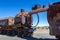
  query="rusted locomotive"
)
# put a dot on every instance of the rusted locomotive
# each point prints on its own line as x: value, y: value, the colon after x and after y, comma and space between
x: 6, y: 25
x: 13, y: 26
x: 53, y: 16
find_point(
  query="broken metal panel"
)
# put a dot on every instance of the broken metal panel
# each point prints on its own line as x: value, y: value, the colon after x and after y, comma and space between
x: 54, y: 18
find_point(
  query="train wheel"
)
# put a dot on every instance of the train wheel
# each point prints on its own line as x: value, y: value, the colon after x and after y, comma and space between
x: 7, y: 32
x: 11, y: 33
x: 30, y: 34
x: 19, y: 33
x: 58, y: 36
x: 4, y: 32
x: 1, y: 32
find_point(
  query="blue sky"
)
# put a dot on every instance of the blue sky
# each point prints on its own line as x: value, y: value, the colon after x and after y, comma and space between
x: 12, y: 7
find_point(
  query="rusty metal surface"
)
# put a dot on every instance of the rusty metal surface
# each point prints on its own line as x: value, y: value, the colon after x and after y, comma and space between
x: 53, y: 16
x: 8, y: 21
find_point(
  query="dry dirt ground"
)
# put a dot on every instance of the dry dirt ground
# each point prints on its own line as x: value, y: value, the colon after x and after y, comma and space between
x: 38, y: 34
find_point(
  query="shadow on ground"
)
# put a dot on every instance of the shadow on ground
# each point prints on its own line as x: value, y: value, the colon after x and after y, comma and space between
x: 32, y: 38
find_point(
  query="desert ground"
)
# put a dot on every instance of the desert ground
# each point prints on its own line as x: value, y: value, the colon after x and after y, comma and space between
x: 39, y: 34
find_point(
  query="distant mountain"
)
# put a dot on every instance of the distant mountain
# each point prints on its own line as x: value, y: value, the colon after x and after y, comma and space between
x: 42, y: 26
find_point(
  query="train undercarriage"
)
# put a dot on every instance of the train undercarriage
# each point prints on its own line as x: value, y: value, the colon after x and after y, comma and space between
x: 16, y: 30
